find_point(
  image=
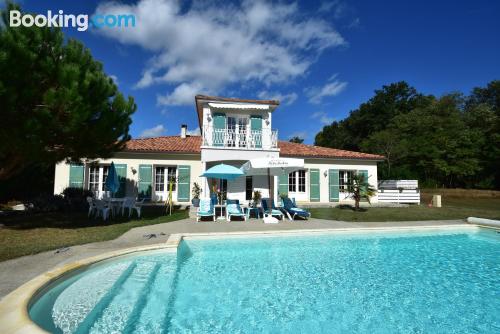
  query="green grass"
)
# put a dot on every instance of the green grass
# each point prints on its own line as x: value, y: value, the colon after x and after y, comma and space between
x: 453, y: 208
x: 25, y: 234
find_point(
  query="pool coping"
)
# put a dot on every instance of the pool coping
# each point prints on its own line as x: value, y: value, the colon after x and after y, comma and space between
x: 14, y: 317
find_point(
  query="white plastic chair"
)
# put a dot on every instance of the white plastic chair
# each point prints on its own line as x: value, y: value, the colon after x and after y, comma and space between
x: 102, y: 209
x: 137, y: 207
x: 128, y: 203
x: 92, y: 206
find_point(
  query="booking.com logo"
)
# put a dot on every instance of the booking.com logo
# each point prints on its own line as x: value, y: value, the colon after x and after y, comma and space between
x: 82, y: 21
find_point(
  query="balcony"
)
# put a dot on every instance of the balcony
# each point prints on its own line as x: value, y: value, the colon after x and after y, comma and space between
x: 242, y: 138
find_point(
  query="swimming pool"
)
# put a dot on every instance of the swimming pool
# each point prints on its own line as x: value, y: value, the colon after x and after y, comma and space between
x: 377, y: 282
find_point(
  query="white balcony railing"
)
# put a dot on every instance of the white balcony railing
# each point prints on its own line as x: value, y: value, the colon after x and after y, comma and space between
x: 240, y: 138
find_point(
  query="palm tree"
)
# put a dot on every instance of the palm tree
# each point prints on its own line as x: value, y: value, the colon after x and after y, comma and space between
x: 359, y: 189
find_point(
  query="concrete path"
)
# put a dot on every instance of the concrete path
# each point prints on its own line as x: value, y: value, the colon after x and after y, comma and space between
x: 16, y: 272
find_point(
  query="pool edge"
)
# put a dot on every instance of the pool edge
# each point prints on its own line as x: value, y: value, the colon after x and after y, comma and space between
x: 14, y: 317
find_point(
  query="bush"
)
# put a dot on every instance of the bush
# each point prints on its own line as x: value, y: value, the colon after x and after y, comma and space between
x: 76, y: 198
x: 47, y: 203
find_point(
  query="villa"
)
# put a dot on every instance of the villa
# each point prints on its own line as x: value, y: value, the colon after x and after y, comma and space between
x: 233, y: 131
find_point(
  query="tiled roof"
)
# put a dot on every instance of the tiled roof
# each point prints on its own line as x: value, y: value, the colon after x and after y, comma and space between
x: 170, y: 144
x: 288, y: 149
x: 191, y: 144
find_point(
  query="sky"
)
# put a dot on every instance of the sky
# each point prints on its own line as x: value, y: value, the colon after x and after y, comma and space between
x: 321, y: 59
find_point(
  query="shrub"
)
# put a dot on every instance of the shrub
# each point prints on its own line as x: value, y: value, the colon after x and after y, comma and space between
x: 76, y: 198
x: 47, y: 203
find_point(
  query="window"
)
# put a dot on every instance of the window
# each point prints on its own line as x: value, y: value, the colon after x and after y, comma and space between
x: 292, y: 184
x: 105, y: 170
x: 249, y: 188
x: 94, y: 178
x: 172, y: 175
x: 162, y: 180
x: 345, y: 178
x: 302, y: 181
x: 297, y: 181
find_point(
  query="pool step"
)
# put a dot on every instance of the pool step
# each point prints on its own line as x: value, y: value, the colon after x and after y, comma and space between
x: 151, y: 319
x: 115, y: 316
x: 73, y: 306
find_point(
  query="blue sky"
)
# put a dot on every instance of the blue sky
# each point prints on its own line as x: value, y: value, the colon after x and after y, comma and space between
x: 321, y: 58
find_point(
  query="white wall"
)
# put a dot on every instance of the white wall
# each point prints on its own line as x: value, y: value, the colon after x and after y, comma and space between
x: 326, y: 164
x: 133, y: 160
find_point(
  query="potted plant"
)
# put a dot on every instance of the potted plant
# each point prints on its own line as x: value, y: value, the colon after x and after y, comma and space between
x: 196, y: 195
x: 283, y: 196
x: 257, y: 196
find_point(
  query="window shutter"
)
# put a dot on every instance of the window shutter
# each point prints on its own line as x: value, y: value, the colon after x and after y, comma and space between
x: 219, y: 121
x: 365, y: 175
x: 184, y: 183
x: 76, y: 173
x: 121, y: 171
x: 333, y: 185
x: 283, y: 184
x: 256, y: 129
x: 314, y: 195
x: 145, y: 184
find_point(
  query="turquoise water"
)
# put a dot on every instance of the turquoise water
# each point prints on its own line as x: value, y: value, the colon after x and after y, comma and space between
x: 370, y: 283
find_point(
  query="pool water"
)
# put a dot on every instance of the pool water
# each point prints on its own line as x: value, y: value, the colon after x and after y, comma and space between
x: 446, y: 282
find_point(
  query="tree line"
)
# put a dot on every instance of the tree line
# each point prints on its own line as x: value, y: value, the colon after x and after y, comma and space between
x: 447, y: 141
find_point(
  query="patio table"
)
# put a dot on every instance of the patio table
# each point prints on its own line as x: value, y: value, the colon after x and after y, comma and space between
x: 114, y: 204
x: 255, y: 210
x: 220, y: 206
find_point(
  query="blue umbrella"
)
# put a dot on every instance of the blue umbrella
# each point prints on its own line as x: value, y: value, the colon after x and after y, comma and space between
x: 222, y: 171
x: 112, y: 181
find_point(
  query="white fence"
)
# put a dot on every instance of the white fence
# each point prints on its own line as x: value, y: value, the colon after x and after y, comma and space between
x: 398, y: 191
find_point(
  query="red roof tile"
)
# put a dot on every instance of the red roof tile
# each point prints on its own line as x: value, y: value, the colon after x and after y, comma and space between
x: 170, y: 144
x: 191, y: 144
x: 288, y: 149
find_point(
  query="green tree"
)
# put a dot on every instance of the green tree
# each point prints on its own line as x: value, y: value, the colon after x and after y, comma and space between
x: 56, y: 101
x: 296, y: 139
x: 359, y: 189
x: 482, y: 115
x: 372, y: 116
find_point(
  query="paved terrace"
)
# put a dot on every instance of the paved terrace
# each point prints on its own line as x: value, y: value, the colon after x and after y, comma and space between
x: 16, y: 272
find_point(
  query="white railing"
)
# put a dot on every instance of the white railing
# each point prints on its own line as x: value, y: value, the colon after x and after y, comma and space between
x: 240, y: 138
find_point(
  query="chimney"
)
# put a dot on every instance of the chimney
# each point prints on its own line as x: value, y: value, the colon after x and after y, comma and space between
x: 184, y: 128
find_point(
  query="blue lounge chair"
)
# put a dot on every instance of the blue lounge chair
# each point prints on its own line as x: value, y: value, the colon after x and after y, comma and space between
x: 234, y: 210
x: 206, y: 209
x: 270, y: 209
x: 293, y: 210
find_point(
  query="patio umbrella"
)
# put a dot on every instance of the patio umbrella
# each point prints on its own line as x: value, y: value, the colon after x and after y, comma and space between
x: 112, y: 182
x: 271, y: 166
x: 222, y: 171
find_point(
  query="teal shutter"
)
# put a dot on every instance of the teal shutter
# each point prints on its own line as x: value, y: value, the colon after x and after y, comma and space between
x: 145, y: 184
x: 333, y: 185
x: 256, y: 128
x: 121, y: 171
x: 219, y: 129
x: 365, y: 176
x: 76, y: 173
x: 314, y: 185
x: 283, y: 184
x: 183, y: 183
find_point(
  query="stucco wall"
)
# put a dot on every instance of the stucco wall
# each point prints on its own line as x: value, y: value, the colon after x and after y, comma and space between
x: 133, y: 161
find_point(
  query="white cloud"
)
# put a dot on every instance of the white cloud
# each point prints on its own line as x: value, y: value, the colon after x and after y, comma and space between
x: 323, y: 117
x: 285, y: 99
x: 195, y: 132
x: 115, y: 78
x: 332, y: 88
x: 206, y: 47
x: 154, y: 131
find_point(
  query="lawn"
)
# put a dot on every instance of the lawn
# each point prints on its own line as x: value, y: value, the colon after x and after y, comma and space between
x: 25, y: 234
x: 453, y: 208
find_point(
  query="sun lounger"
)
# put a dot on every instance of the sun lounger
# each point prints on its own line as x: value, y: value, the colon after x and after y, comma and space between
x: 206, y: 209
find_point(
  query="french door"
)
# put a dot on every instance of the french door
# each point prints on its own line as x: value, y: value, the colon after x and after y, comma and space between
x: 237, y: 131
